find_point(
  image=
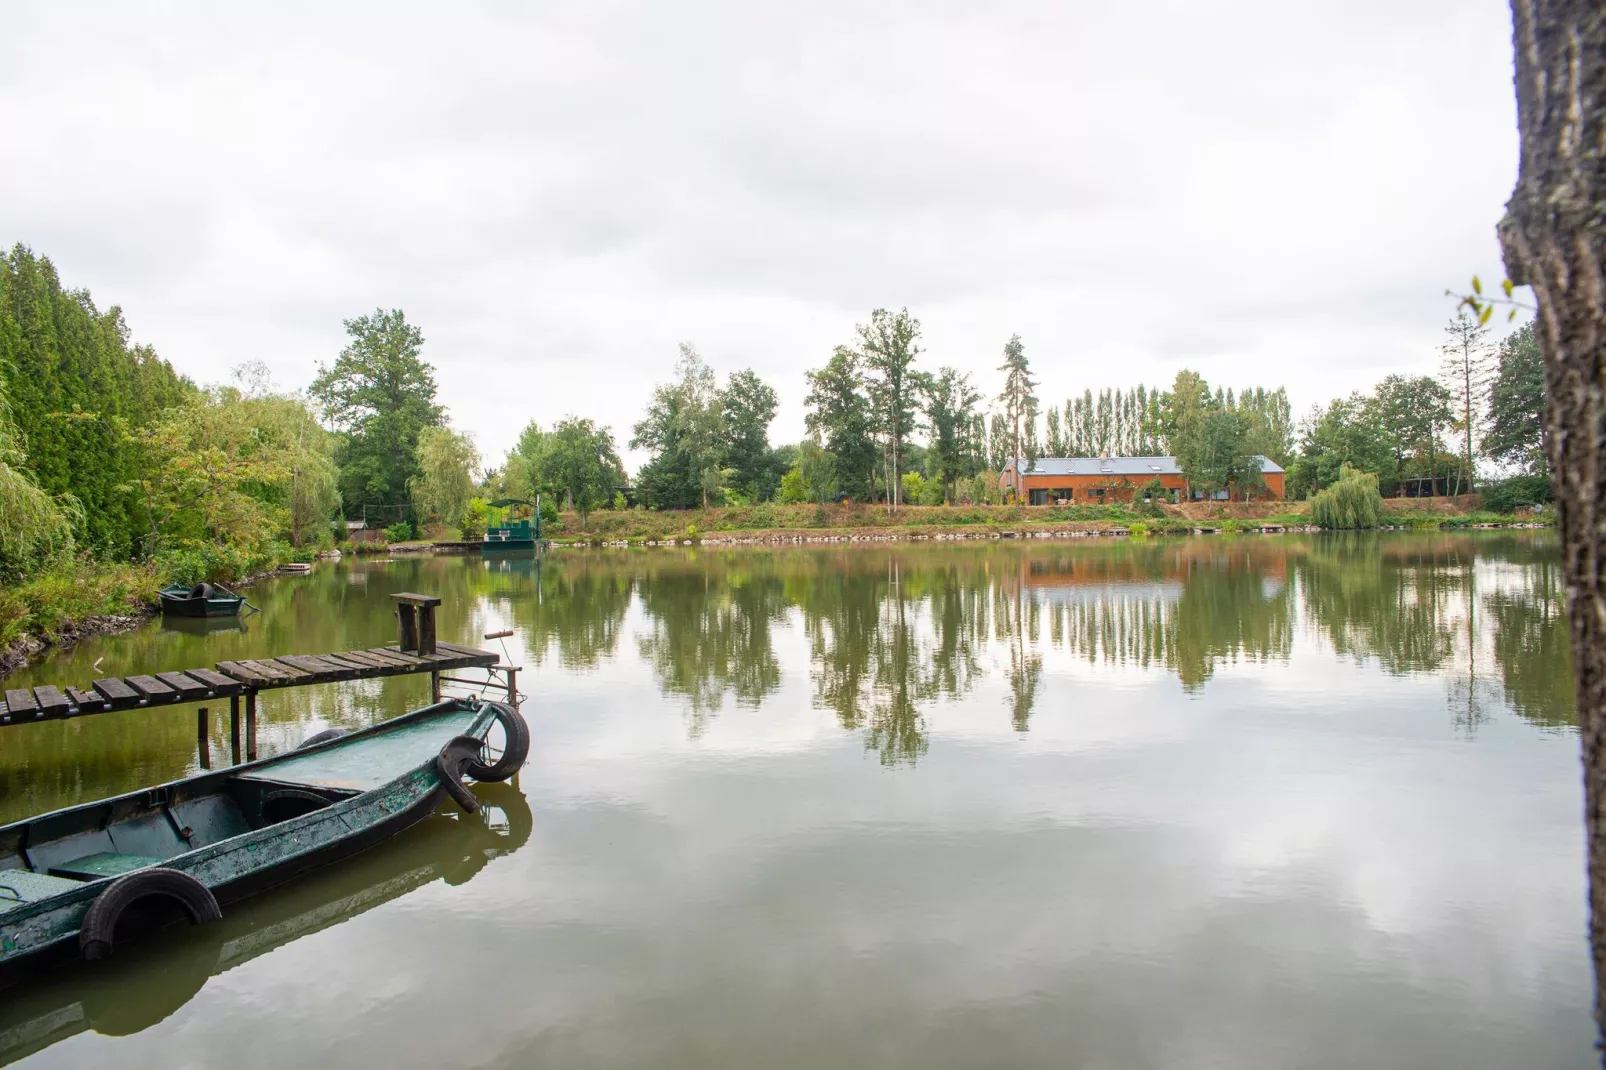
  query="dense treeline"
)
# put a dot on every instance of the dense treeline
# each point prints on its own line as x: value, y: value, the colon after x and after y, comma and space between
x: 80, y: 394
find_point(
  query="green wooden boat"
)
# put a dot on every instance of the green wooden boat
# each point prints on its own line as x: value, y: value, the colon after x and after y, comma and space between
x: 133, y: 992
x: 202, y: 600
x: 76, y: 881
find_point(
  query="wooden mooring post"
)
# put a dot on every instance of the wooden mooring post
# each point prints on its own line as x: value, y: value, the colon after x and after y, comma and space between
x: 415, y: 631
x: 203, y: 744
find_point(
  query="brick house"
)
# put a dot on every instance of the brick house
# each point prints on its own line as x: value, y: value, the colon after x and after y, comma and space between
x: 1096, y: 480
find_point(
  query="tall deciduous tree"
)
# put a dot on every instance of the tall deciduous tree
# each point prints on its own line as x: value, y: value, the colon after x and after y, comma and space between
x: 839, y: 416
x: 1466, y: 371
x: 888, y: 346
x: 684, y: 427
x: 887, y: 349
x: 1223, y: 460
x: 380, y: 393
x: 950, y: 411
x: 1408, y: 412
x: 576, y: 461
x: 749, y: 408
x: 1554, y: 239
x: 1516, y: 429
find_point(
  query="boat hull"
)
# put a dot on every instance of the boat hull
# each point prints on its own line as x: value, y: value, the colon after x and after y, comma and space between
x: 507, y: 546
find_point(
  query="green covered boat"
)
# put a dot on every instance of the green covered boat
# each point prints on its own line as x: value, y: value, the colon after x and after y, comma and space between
x: 202, y: 600
x: 517, y: 534
x: 76, y: 881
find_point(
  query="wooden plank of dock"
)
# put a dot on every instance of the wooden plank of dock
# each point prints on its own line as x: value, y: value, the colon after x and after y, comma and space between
x: 186, y: 685
x: 51, y: 702
x: 117, y: 694
x: 154, y: 690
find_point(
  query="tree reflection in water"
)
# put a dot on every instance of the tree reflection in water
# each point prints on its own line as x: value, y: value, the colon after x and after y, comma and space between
x: 890, y: 632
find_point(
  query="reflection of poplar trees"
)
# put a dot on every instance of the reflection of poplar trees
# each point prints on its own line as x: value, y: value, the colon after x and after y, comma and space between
x: 1016, y: 619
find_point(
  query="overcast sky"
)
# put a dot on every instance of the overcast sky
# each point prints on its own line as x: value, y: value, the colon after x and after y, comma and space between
x: 1272, y: 193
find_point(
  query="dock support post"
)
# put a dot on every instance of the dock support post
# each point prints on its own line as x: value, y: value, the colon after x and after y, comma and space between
x: 426, y: 630
x: 234, y: 732
x: 406, y: 627
x: 250, y: 726
x: 435, y: 686
x: 203, y: 746
x: 513, y: 686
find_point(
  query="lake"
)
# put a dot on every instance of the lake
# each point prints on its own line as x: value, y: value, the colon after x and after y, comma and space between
x: 1246, y: 802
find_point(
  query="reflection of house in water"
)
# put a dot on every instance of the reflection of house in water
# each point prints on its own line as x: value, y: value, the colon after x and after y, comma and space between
x: 1181, y: 606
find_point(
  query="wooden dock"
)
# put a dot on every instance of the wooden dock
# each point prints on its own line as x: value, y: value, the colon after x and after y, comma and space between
x: 417, y: 650
x: 230, y: 679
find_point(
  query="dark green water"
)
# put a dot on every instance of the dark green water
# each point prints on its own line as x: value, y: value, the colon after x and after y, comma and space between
x: 1239, y: 802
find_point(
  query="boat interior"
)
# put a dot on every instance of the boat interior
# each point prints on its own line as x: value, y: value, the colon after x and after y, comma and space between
x: 61, y: 851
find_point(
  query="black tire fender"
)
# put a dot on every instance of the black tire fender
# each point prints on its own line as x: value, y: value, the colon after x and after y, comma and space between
x: 453, y: 760
x: 322, y: 737
x: 518, y: 747
x: 97, y: 932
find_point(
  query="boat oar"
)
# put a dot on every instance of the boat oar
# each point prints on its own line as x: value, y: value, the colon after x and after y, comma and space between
x: 241, y: 597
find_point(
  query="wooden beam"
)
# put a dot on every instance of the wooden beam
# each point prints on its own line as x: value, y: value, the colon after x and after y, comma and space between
x: 86, y: 701
x: 20, y: 702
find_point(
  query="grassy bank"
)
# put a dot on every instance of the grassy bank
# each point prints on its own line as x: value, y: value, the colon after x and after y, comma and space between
x: 786, y: 522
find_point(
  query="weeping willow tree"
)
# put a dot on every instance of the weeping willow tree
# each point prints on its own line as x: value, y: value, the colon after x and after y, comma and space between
x: 35, y: 528
x: 448, y: 464
x: 1352, y: 502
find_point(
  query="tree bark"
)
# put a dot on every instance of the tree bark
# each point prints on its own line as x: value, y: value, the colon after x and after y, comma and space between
x: 1554, y: 238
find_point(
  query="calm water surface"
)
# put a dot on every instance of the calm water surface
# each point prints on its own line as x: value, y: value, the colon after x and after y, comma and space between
x: 1240, y: 802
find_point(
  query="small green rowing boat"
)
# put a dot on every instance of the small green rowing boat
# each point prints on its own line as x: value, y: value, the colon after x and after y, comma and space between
x: 76, y: 881
x: 202, y: 600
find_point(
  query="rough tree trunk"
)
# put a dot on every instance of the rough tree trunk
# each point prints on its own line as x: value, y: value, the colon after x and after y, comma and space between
x: 1554, y: 238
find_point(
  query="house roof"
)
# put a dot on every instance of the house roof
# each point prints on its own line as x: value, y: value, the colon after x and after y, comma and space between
x: 1147, y: 467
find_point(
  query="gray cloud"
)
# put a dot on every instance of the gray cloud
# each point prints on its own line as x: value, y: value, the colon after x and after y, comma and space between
x: 1275, y: 193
